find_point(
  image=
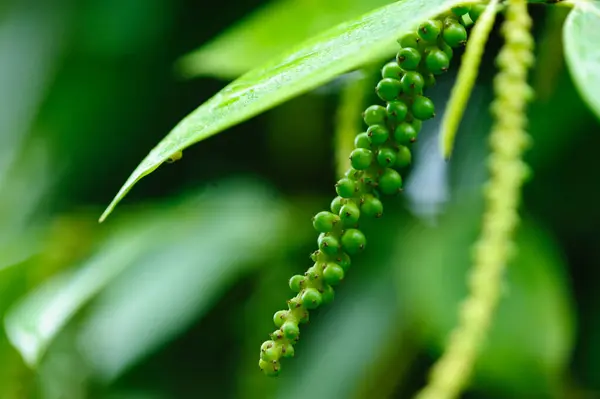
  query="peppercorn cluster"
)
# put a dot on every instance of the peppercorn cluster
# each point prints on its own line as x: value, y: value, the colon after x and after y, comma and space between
x: 381, y: 152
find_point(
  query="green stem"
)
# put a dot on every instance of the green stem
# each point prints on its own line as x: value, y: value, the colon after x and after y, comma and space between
x: 494, y: 247
x: 467, y: 76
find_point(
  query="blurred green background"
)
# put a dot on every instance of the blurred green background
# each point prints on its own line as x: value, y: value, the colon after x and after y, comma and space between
x: 172, y: 296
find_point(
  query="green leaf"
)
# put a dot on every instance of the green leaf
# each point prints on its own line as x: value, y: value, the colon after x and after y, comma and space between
x: 314, y: 63
x: 252, y: 41
x: 529, y: 344
x: 191, y: 252
x: 581, y: 37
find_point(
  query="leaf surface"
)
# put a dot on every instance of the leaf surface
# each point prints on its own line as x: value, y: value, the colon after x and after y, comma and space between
x: 581, y: 37
x: 315, y: 62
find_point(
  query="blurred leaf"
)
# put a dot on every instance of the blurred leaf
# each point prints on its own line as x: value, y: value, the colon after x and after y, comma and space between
x: 25, y: 187
x: 315, y: 62
x: 581, y: 38
x: 31, y: 40
x: 532, y: 334
x: 268, y: 32
x: 172, y: 284
x: 175, y: 262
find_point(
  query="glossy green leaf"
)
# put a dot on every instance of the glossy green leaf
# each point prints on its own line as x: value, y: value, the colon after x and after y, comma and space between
x: 315, y: 62
x: 157, y: 273
x: 530, y: 342
x: 268, y: 32
x: 582, y: 50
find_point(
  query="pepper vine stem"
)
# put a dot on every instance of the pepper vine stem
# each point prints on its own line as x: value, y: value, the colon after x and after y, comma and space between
x: 494, y: 247
x: 461, y: 91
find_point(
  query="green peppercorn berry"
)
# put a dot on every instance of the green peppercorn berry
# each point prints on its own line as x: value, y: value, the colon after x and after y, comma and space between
x: 371, y: 206
x: 408, y: 58
x: 271, y: 369
x: 429, y: 79
x: 445, y: 48
x: 296, y: 282
x: 388, y: 89
x: 311, y: 298
x: 333, y: 273
x: 416, y: 124
x: 455, y: 35
x: 345, y: 187
x: 362, y: 141
x: 353, y: 241
x: 279, y: 317
x: 290, y: 330
x: 430, y: 30
x: 437, y: 61
x: 325, y: 221
x: 270, y: 351
x: 391, y: 70
x: 361, y: 158
x: 397, y: 111
x: 404, y: 157
x: 374, y: 115
x: 343, y: 260
x: 476, y: 11
x: 267, y: 345
x: 409, y: 40
x: 378, y: 134
x: 287, y: 351
x: 327, y: 294
x: 461, y: 9
x: 368, y: 180
x: 353, y: 174
x: 423, y: 108
x: 386, y: 157
x: 277, y: 335
x: 312, y: 273
x: 304, y: 318
x: 412, y: 82
x: 349, y: 214
x: 405, y: 134
x: 390, y: 182
x: 328, y: 244
x: 336, y: 204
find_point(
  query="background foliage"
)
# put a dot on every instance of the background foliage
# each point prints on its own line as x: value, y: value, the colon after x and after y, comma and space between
x: 172, y: 296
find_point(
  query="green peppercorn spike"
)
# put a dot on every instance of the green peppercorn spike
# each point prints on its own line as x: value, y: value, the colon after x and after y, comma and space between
x: 378, y: 155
